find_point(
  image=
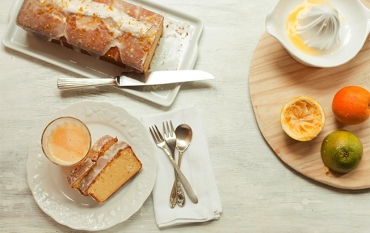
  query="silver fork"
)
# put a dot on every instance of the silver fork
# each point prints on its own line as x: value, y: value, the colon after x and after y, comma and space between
x: 177, y: 196
x: 161, y: 143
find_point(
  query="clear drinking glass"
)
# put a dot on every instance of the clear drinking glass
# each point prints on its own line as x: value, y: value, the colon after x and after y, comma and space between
x: 66, y: 141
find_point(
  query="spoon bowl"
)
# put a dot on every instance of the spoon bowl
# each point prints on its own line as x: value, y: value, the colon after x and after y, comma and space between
x: 184, y: 135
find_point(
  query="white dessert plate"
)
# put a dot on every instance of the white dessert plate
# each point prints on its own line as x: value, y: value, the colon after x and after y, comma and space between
x: 65, y: 205
x: 177, y: 50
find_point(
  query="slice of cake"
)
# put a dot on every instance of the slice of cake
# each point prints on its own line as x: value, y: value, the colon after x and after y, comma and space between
x: 116, y: 164
x: 111, y: 30
x: 115, y: 174
x: 98, y: 149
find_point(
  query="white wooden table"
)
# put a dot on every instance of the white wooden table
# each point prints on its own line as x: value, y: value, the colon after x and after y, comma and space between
x: 258, y: 192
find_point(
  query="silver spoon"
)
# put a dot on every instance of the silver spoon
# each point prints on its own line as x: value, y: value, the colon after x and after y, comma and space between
x: 184, y: 135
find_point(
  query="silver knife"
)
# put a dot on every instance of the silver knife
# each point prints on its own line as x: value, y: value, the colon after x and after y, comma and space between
x: 154, y: 78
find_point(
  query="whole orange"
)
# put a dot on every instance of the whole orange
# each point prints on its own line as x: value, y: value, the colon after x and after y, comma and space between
x: 351, y: 105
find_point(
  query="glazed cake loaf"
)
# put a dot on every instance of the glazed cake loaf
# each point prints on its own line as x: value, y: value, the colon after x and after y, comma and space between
x: 111, y: 30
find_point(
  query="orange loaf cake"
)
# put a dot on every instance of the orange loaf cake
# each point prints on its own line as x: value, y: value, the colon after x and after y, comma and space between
x: 112, y: 170
x: 111, y: 30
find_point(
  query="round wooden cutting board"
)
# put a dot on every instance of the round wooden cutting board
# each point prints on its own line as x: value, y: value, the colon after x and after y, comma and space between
x: 275, y: 77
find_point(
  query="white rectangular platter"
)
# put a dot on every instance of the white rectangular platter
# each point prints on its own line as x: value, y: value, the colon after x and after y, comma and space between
x: 177, y: 50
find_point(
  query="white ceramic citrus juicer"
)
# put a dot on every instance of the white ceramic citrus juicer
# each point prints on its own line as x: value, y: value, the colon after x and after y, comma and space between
x: 355, y: 27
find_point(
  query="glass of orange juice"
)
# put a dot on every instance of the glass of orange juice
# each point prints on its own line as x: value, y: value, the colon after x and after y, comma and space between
x: 66, y: 141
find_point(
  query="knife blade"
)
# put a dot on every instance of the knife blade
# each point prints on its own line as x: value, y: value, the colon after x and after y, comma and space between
x: 154, y: 78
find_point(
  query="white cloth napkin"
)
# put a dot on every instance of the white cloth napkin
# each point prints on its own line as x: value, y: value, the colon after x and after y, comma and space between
x: 195, y: 165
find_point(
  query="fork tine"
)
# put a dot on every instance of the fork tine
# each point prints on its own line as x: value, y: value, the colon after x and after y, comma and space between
x: 164, y: 129
x: 168, y: 129
x: 172, y: 130
x: 153, y: 135
x: 158, y: 134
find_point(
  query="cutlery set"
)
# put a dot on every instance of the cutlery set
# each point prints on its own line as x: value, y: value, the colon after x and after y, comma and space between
x: 180, y: 139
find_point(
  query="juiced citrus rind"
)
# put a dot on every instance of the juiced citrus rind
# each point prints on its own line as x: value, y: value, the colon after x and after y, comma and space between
x: 302, y: 118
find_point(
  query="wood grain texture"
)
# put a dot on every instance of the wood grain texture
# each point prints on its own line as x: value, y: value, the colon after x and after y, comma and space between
x: 366, y: 3
x: 275, y: 77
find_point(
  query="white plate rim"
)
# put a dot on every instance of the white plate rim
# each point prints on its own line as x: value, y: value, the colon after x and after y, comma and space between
x: 121, y: 206
x: 169, y: 93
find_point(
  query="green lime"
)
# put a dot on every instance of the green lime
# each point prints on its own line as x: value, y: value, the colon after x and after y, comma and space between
x: 341, y: 151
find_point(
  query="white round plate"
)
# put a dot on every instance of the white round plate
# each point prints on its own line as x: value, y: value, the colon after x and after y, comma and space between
x: 65, y: 205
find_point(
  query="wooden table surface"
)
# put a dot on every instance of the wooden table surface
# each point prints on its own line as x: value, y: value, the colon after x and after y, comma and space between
x: 259, y: 193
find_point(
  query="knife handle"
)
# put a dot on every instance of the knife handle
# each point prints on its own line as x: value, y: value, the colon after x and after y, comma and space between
x: 70, y: 83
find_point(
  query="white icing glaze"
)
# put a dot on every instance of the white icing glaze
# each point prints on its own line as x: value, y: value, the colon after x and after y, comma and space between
x: 90, y: 160
x: 79, y: 171
x: 111, y: 30
x: 101, y: 163
x: 120, y: 21
x: 99, y: 144
x: 319, y: 26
